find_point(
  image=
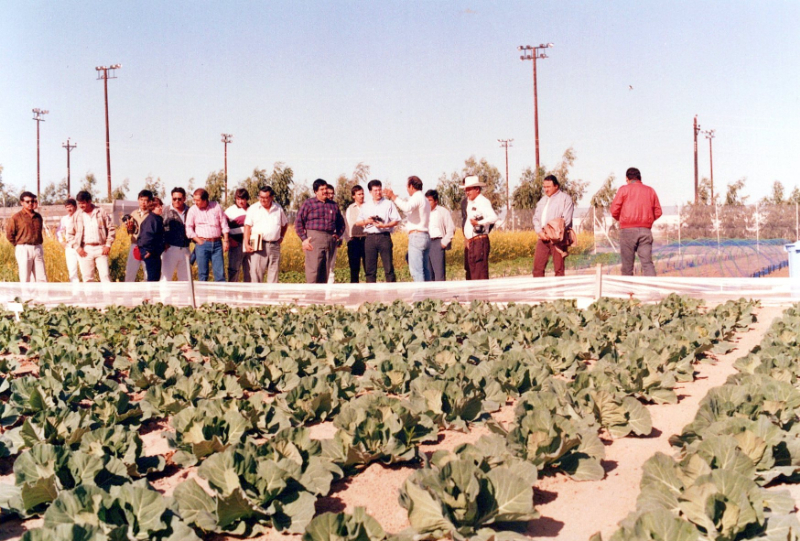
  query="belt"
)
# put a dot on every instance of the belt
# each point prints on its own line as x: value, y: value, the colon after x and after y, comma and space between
x: 416, y: 231
x: 479, y: 237
x: 93, y: 244
x: 436, y: 238
x: 215, y: 239
x: 383, y: 233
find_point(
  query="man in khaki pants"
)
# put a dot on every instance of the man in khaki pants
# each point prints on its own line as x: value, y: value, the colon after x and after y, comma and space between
x: 92, y: 236
x: 24, y: 231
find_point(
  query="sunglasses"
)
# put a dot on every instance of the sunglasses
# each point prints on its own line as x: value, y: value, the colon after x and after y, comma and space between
x: 29, y: 201
x: 178, y: 198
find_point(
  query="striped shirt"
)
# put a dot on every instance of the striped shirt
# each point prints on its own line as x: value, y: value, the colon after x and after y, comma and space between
x: 208, y: 223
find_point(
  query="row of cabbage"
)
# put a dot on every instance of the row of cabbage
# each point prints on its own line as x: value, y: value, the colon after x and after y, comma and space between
x: 240, y: 387
x: 724, y: 480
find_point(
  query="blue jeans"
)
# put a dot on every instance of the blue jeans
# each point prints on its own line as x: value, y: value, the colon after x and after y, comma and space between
x: 419, y: 245
x: 210, y: 251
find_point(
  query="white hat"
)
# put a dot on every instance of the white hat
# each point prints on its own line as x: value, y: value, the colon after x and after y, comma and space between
x: 473, y: 181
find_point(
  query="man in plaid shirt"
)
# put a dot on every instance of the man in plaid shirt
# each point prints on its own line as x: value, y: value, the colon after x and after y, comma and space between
x: 320, y: 225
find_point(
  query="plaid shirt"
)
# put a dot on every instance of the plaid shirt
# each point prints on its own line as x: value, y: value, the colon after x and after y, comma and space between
x: 319, y: 215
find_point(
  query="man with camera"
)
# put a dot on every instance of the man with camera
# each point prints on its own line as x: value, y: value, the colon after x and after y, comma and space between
x: 132, y: 222
x: 378, y: 216
x: 552, y: 221
x: 480, y: 217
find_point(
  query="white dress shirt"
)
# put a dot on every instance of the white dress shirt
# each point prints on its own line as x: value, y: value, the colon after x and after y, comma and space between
x: 480, y: 206
x: 442, y: 225
x: 266, y: 222
x: 417, y: 210
x: 384, y: 209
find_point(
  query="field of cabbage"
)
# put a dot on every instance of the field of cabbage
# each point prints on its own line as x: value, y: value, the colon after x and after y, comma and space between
x: 241, y: 392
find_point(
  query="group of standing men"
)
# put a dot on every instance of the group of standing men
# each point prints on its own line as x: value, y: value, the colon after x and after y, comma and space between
x: 252, y: 234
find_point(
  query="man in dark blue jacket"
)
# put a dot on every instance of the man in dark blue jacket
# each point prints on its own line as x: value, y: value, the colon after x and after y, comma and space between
x: 151, y: 240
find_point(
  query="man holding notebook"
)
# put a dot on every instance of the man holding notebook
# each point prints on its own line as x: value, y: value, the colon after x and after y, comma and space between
x: 264, y: 228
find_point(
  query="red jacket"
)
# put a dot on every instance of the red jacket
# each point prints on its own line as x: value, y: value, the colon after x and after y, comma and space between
x: 636, y: 205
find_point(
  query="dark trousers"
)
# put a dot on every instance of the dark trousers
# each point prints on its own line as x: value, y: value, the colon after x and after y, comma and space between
x: 436, y: 261
x: 375, y: 244
x: 152, y: 267
x: 636, y: 240
x: 355, y: 256
x: 543, y: 252
x: 476, y: 258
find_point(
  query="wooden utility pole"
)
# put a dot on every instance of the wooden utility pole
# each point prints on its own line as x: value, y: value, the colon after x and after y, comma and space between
x: 532, y: 53
x: 226, y: 138
x: 505, y: 143
x: 103, y: 73
x: 69, y: 149
x: 38, y: 116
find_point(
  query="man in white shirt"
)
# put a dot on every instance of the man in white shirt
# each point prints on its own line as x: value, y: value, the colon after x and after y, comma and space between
x: 264, y: 228
x: 65, y: 225
x: 238, y: 261
x: 378, y: 217
x: 442, y: 230
x: 418, y: 213
x: 354, y: 235
x: 553, y: 205
x: 480, y: 215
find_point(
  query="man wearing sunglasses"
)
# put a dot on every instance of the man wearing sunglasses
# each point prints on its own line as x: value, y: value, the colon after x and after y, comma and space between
x: 176, y: 246
x: 24, y: 231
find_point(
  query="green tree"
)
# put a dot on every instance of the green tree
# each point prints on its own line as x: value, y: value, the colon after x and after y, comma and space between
x: 54, y: 194
x: 281, y: 180
x: 253, y: 183
x: 794, y: 197
x: 530, y: 188
x: 8, y: 195
x: 89, y: 184
x: 778, y: 195
x: 300, y: 192
x: 450, y: 192
x: 344, y: 184
x: 734, y: 197
x: 215, y: 186
x: 155, y: 186
x: 120, y: 193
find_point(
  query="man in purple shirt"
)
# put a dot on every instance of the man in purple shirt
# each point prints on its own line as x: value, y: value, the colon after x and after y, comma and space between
x: 320, y: 225
x: 207, y: 226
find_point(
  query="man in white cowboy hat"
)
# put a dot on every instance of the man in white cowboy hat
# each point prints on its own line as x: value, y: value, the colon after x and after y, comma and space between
x: 480, y: 216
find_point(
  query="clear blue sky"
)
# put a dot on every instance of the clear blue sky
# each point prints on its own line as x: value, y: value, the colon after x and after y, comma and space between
x: 408, y: 87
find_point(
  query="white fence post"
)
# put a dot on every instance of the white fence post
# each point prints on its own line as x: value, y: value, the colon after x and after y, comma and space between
x: 598, y: 288
x: 191, y: 282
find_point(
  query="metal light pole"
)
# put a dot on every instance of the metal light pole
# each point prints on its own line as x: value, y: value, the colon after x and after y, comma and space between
x: 103, y: 73
x: 532, y: 53
x: 69, y: 149
x: 505, y: 143
x: 710, y: 135
x: 226, y: 138
x: 38, y: 115
x: 696, y: 131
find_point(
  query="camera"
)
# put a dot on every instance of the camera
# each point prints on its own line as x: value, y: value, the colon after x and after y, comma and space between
x: 126, y: 219
x: 478, y: 229
x: 377, y: 219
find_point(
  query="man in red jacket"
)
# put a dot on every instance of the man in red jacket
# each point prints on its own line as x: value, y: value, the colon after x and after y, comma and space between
x: 636, y: 207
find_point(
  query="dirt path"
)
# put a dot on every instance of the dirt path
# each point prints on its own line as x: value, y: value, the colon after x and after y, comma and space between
x: 601, y: 505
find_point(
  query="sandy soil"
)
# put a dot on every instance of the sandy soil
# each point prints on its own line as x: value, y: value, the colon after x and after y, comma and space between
x: 601, y: 504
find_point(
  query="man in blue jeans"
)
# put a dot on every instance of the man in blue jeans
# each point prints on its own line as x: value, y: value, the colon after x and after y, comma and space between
x: 418, y: 214
x: 207, y: 226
